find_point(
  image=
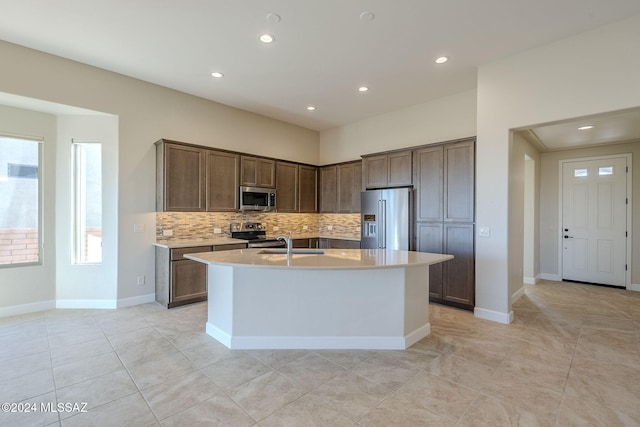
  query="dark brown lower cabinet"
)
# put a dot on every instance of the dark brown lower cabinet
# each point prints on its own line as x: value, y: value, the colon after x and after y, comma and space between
x: 338, y: 244
x: 325, y: 243
x: 188, y: 282
x: 451, y: 282
x: 182, y: 281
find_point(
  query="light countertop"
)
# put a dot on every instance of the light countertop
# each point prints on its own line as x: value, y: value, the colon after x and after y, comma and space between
x: 186, y: 243
x: 332, y: 259
x: 225, y: 240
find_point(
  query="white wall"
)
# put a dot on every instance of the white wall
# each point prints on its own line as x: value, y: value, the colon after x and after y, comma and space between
x: 518, y: 209
x: 591, y: 73
x: 531, y: 249
x: 444, y: 119
x: 32, y: 288
x: 146, y: 113
x: 549, y: 209
x: 88, y: 285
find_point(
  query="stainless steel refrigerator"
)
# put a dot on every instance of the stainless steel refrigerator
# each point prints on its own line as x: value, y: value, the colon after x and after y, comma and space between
x: 386, y: 219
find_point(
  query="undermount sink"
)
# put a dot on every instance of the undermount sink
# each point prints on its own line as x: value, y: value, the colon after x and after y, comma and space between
x: 293, y: 252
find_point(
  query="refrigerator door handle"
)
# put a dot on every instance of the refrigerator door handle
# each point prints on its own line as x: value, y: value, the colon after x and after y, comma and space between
x: 382, y: 226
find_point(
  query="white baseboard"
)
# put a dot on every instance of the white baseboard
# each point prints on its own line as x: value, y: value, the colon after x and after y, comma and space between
x: 141, y: 299
x: 16, y: 310
x: 517, y: 295
x: 86, y: 303
x: 634, y: 287
x: 494, y: 316
x: 552, y: 277
x: 319, y: 342
x: 531, y: 280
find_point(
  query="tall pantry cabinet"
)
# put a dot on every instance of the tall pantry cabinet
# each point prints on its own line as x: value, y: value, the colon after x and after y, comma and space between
x: 444, y: 178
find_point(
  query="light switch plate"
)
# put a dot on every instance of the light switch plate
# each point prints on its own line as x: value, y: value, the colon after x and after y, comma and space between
x: 217, y: 230
x: 167, y: 232
x: 138, y: 228
x: 484, y: 231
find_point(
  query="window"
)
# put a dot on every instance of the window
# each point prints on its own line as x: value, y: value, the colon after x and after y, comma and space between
x: 580, y: 172
x: 20, y: 189
x: 87, y: 202
x: 605, y: 170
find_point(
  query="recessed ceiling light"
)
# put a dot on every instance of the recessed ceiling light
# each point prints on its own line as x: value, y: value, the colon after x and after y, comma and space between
x: 217, y: 75
x: 442, y: 59
x: 267, y: 38
x: 367, y: 16
x: 273, y: 17
x: 363, y: 89
x: 311, y: 108
x: 585, y: 127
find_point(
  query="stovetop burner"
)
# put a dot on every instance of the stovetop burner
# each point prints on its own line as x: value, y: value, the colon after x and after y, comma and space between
x: 255, y: 233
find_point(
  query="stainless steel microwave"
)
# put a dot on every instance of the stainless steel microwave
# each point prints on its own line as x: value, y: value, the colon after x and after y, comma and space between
x: 257, y: 199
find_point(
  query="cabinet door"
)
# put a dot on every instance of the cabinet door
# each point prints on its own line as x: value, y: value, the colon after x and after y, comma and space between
x: 400, y: 172
x: 287, y: 187
x: 459, y: 274
x: 349, y: 186
x: 266, y: 173
x: 459, y: 187
x: 343, y: 244
x: 429, y: 182
x: 222, y: 177
x: 356, y: 187
x: 183, y: 178
x: 188, y: 281
x: 300, y: 243
x: 376, y: 173
x: 328, y: 182
x: 257, y: 172
x: 429, y: 237
x: 345, y: 188
x: 308, y: 189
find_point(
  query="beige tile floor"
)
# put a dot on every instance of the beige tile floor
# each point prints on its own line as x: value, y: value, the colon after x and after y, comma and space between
x: 571, y: 358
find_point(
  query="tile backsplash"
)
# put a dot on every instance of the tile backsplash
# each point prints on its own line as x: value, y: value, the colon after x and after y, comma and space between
x: 187, y: 225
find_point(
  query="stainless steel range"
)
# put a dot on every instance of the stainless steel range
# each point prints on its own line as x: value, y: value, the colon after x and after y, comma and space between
x: 255, y: 233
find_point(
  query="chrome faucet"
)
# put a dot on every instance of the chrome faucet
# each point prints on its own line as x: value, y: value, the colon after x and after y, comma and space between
x: 288, y: 242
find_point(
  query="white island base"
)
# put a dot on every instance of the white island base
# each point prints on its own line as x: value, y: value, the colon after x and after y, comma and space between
x: 299, y: 306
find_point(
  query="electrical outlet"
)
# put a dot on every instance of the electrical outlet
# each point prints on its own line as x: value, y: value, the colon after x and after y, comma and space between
x: 167, y: 232
x: 329, y: 227
x: 140, y: 280
x: 484, y: 231
x: 276, y: 228
x: 217, y: 230
x: 138, y: 228
x: 305, y: 227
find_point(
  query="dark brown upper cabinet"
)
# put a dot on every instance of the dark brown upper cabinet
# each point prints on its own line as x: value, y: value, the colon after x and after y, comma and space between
x: 349, y: 186
x: 286, y: 187
x: 459, y: 181
x: 387, y: 170
x: 328, y: 183
x: 307, y: 189
x: 257, y: 172
x: 180, y: 178
x: 340, y: 187
x: 222, y: 181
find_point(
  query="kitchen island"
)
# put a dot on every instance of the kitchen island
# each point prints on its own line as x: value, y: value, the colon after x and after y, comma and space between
x: 318, y: 299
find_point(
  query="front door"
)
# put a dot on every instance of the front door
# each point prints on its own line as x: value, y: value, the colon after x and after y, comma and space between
x: 594, y: 221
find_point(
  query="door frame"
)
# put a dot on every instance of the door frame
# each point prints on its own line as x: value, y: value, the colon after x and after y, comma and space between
x: 628, y: 157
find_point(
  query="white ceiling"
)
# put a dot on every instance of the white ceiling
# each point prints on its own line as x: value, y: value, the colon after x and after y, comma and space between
x: 622, y: 126
x: 323, y: 51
